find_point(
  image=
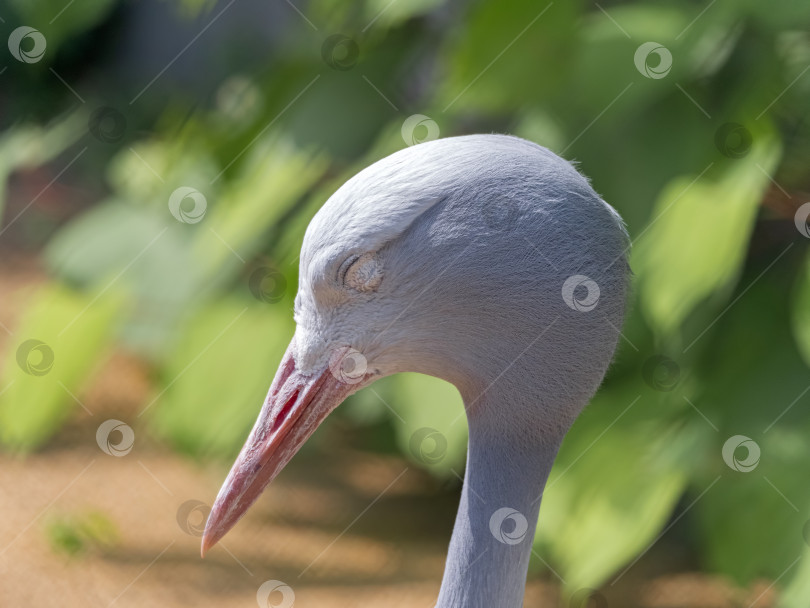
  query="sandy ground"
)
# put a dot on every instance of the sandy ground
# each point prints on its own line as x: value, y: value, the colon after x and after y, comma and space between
x: 301, y: 533
x: 341, y: 528
x: 322, y: 529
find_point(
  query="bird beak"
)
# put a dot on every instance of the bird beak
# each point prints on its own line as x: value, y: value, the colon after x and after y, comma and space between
x: 294, y: 407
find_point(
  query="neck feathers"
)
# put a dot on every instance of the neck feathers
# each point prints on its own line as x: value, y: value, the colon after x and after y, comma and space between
x: 492, y: 539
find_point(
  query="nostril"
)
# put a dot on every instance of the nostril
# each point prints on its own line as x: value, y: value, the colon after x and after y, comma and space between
x: 285, y: 410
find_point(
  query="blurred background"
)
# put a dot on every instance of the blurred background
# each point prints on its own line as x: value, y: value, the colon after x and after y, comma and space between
x: 159, y: 162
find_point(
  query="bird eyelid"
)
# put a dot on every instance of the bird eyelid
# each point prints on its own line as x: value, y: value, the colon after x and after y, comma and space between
x: 344, y: 267
x: 361, y: 272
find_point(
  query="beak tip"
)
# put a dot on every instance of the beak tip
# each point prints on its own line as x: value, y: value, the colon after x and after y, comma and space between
x: 294, y: 406
x: 208, y: 541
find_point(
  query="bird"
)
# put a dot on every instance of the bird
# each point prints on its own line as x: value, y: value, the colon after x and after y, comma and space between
x: 487, y: 261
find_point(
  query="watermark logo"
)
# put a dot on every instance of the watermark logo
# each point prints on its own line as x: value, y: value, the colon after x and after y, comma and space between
x: 653, y: 60
x: 580, y: 293
x: 428, y: 445
x: 733, y: 140
x: 801, y: 220
x: 418, y: 129
x: 661, y: 373
x: 508, y: 534
x: 107, y: 125
x: 191, y: 517
x: 115, y: 438
x: 267, y: 284
x: 743, y: 465
x: 587, y: 598
x: 340, y: 52
x: 501, y: 215
x: 348, y: 365
x: 187, y: 216
x: 35, y: 357
x: 30, y: 38
x: 239, y: 99
x: 275, y: 594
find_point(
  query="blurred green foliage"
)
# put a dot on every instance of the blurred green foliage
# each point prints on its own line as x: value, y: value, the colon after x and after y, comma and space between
x: 76, y: 533
x: 707, y: 164
x: 70, y: 331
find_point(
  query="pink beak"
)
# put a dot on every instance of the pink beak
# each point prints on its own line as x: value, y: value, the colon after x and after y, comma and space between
x: 294, y: 407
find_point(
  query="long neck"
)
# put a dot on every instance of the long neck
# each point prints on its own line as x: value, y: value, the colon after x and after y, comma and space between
x: 508, y: 463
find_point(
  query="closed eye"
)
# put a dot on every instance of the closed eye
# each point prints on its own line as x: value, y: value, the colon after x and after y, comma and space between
x: 344, y: 268
x: 362, y: 273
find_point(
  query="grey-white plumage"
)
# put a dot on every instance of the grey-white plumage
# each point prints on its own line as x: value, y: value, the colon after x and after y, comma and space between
x: 489, y: 262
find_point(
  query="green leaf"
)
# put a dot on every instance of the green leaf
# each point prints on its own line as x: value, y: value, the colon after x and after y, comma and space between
x: 784, y: 15
x: 801, y: 312
x: 275, y: 175
x: 218, y: 375
x: 430, y: 423
x: 42, y: 14
x: 150, y: 253
x: 386, y: 14
x: 751, y: 523
x: 484, y: 68
x: 797, y: 593
x: 102, y: 241
x: 27, y: 146
x: 697, y: 238
x: 742, y: 390
x: 614, y: 485
x: 603, y: 61
x: 59, y: 342
x: 149, y: 171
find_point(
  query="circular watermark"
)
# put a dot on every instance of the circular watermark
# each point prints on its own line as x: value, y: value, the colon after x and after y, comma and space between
x: 658, y: 67
x: 587, y: 598
x: 801, y: 220
x: 107, y: 125
x: 340, y: 52
x: 32, y: 39
x: 275, y: 594
x: 501, y: 215
x: 348, y: 365
x: 428, y: 445
x: 418, y: 129
x: 508, y: 534
x: 733, y: 140
x: 239, y: 99
x: 661, y: 373
x: 267, y: 284
x: 743, y: 465
x: 580, y: 293
x: 191, y: 517
x: 35, y: 357
x: 115, y: 438
x: 187, y: 216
